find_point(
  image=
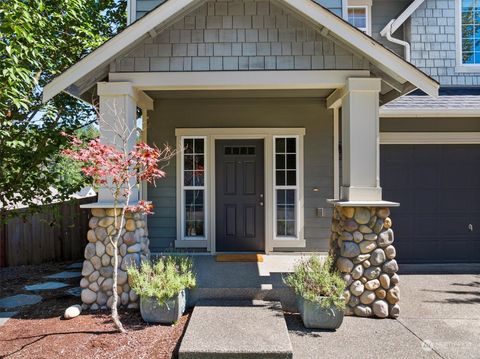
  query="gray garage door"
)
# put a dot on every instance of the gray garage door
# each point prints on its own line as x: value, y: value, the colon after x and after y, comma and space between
x: 438, y: 187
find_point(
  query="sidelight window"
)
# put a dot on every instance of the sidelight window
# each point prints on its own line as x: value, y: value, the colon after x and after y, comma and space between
x: 286, y: 187
x: 193, y: 187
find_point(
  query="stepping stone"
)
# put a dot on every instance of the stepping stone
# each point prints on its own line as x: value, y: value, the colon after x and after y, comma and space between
x: 78, y: 265
x: 236, y: 329
x: 19, y: 300
x: 45, y: 286
x: 76, y: 291
x: 65, y: 275
x: 5, y: 316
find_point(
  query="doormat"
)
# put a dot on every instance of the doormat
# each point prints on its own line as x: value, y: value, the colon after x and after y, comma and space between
x: 239, y: 258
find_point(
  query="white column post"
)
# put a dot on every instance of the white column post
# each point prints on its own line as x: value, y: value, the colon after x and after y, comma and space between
x: 360, y: 140
x: 118, y: 123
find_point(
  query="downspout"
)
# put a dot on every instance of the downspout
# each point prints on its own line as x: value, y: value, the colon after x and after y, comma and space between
x: 387, y: 33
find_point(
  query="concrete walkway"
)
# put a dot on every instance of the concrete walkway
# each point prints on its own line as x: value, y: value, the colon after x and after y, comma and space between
x: 440, y: 318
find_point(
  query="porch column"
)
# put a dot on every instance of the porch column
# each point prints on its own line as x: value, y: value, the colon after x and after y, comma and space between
x: 362, y: 238
x: 118, y: 127
x: 117, y: 122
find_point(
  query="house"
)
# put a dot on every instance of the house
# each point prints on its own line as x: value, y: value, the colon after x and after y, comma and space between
x: 281, y: 105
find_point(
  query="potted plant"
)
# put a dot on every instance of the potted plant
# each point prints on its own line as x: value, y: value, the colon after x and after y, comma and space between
x: 319, y: 289
x: 161, y: 287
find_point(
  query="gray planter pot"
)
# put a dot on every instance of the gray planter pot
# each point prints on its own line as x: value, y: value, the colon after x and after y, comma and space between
x: 164, y: 313
x: 316, y: 317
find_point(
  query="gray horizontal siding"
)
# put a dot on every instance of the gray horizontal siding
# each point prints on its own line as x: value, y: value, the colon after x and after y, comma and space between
x: 285, y: 112
x: 219, y: 36
x: 461, y: 124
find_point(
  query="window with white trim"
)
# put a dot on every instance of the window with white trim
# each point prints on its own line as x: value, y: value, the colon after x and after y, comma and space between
x: 193, y: 187
x: 470, y: 32
x: 358, y: 16
x: 286, y: 187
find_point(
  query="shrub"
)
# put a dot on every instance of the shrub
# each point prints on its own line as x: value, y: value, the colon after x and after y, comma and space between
x: 317, y: 282
x: 163, y: 279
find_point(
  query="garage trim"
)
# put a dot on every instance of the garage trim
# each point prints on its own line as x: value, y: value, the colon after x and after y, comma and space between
x: 419, y: 138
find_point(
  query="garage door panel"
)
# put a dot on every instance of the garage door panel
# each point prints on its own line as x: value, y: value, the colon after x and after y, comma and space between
x: 438, y: 187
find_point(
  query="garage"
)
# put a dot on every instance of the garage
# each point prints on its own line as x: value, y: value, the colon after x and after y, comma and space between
x: 438, y: 187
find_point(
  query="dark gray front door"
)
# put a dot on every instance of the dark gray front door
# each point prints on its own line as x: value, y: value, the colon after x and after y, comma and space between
x: 438, y: 187
x: 239, y: 181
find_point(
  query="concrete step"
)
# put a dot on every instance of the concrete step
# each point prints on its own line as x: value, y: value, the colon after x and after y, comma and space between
x: 236, y: 329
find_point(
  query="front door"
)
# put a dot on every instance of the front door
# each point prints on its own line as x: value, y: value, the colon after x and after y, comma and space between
x: 240, y: 219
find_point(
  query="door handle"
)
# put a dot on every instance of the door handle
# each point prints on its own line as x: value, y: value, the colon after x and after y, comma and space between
x: 261, y: 204
x: 470, y: 227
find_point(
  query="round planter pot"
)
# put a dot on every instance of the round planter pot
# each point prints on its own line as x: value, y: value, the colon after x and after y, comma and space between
x: 316, y: 317
x: 164, y: 313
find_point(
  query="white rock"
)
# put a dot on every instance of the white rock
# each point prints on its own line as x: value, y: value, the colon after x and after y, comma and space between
x: 87, y: 268
x: 88, y: 296
x: 357, y: 272
x: 357, y: 288
x: 367, y: 297
x: 385, y: 281
x: 72, y: 312
x: 380, y: 308
x: 363, y: 311
x: 390, y: 252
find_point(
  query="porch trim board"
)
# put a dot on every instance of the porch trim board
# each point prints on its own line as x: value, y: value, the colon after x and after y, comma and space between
x: 268, y: 135
x: 426, y: 138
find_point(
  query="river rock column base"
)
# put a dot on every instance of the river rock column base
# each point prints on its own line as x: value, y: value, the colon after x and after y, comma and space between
x: 362, y: 244
x: 97, y: 271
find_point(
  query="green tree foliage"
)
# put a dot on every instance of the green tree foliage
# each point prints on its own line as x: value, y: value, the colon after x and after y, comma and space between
x: 39, y: 39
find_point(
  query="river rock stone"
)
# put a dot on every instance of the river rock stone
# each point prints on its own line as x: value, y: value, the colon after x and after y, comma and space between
x: 130, y: 225
x: 94, y: 276
x: 135, y: 248
x: 347, y: 295
x: 124, y: 298
x: 386, y: 238
x: 130, y: 260
x: 348, y: 212
x: 354, y: 301
x: 88, y: 296
x: 72, y: 312
x: 362, y: 215
x: 390, y: 266
x: 98, y: 212
x: 385, y: 281
x: 129, y: 238
x: 89, y: 250
x: 390, y: 252
x: 395, y: 279
x: 123, y: 250
x: 96, y: 262
x: 106, y: 272
x: 357, y: 237
x: 344, y: 265
x: 100, y: 249
x: 350, y: 225
x: 372, y: 284
x: 133, y: 296
x: 102, y: 298
x: 349, y: 250
x: 93, y: 222
x: 94, y: 287
x: 365, y: 229
x: 107, y: 284
x: 372, y: 272
x: 378, y: 257
x: 383, y: 213
x: 380, y: 309
x: 105, y: 260
x: 101, y: 233
x: 394, y: 311
x: 347, y: 277
x: 367, y: 297
x: 122, y: 277
x: 367, y: 246
x: 360, y: 258
x: 357, y: 288
x: 109, y: 249
x: 106, y: 221
x: 113, y: 211
x: 393, y: 295
x: 378, y: 226
x: 87, y: 268
x: 357, y: 272
x: 381, y: 293
x: 387, y: 224
x: 84, y: 283
x: 363, y: 311
x: 370, y: 237
x: 91, y: 237
x: 366, y: 264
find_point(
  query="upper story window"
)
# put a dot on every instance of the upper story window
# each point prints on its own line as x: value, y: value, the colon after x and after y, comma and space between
x: 470, y: 32
x: 358, y: 13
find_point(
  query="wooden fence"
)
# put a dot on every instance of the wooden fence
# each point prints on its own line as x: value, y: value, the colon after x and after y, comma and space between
x: 58, y: 233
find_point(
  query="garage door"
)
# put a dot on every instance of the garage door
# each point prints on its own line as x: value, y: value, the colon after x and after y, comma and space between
x: 438, y: 187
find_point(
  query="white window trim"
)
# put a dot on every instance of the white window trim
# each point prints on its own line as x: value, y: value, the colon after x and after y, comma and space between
x: 287, y: 187
x: 367, y: 4
x: 182, y: 188
x: 460, y: 66
x: 267, y: 134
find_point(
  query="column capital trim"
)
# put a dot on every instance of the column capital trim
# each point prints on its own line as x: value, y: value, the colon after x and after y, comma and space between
x: 358, y: 84
x: 113, y: 89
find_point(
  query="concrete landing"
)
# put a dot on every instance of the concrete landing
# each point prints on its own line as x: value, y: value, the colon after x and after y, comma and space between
x: 5, y: 316
x: 236, y: 329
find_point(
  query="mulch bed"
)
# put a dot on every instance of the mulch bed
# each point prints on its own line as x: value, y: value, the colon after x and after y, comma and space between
x: 39, y: 331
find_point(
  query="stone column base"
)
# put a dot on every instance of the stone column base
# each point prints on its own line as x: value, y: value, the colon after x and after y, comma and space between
x: 97, y: 269
x: 361, y: 243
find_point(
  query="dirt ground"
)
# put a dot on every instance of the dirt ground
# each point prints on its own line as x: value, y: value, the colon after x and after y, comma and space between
x: 39, y: 331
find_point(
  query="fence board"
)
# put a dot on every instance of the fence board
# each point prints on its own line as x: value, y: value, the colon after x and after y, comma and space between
x: 44, y: 237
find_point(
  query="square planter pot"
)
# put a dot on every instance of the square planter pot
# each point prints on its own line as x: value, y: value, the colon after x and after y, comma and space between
x: 170, y: 312
x: 316, y: 317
